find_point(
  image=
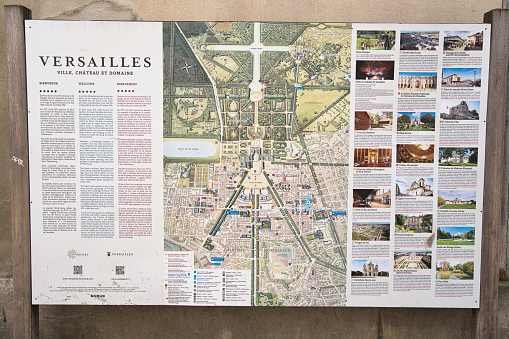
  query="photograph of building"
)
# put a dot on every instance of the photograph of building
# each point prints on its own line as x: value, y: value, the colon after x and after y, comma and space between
x: 414, y: 223
x: 372, y: 198
x: 370, y: 268
x: 456, y: 199
x: 411, y: 187
x: 419, y: 41
x: 371, y: 231
x: 376, y: 40
x: 416, y: 121
x: 413, y: 260
x: 459, y: 110
x: 372, y: 157
x: 373, y: 120
x: 461, y: 77
x: 417, y: 82
x: 374, y: 70
x: 463, y: 40
x: 457, y: 156
x: 415, y: 153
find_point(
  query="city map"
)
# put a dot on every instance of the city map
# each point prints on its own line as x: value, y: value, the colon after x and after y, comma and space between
x: 256, y: 122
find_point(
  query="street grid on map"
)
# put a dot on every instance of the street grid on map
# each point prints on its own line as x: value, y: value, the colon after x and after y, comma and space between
x: 256, y: 122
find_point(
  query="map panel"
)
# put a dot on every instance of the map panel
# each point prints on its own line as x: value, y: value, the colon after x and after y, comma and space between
x: 256, y: 122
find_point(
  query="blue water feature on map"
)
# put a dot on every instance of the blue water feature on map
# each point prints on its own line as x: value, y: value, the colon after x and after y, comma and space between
x: 189, y: 148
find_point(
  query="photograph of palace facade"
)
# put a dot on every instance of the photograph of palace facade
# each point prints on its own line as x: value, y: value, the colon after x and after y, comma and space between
x: 416, y: 82
x: 412, y: 260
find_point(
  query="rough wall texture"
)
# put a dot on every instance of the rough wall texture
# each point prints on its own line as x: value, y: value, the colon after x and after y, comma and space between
x: 99, y: 10
x: 234, y: 322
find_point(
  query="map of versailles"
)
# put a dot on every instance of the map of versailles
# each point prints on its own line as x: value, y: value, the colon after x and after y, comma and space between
x: 256, y: 119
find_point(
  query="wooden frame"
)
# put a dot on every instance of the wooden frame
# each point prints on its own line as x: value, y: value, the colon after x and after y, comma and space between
x: 25, y: 315
x: 495, y: 184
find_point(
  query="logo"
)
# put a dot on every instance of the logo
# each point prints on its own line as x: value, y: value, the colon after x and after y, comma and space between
x: 119, y: 254
x: 73, y: 254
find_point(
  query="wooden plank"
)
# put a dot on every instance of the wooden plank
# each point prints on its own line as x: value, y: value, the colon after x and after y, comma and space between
x: 504, y: 262
x: 495, y: 193
x: 504, y: 236
x: 25, y: 315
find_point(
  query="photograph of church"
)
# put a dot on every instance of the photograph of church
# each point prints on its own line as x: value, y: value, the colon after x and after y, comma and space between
x: 417, y: 82
x: 370, y: 268
x: 461, y: 77
x: 411, y: 187
x: 459, y: 110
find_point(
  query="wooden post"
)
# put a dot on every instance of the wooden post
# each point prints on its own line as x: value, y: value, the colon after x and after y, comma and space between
x: 504, y: 237
x: 495, y: 189
x: 25, y: 315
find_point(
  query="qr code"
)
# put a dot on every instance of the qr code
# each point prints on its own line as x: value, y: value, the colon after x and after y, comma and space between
x: 78, y: 269
x: 120, y: 270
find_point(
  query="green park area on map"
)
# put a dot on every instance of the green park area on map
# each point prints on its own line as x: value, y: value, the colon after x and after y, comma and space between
x: 256, y: 120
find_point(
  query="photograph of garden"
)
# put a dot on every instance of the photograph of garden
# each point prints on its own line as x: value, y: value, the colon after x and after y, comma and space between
x: 371, y: 231
x: 376, y: 40
x: 455, y: 270
x: 456, y: 236
x: 416, y: 121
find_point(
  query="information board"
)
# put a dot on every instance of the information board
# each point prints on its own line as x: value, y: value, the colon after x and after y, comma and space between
x: 246, y: 163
